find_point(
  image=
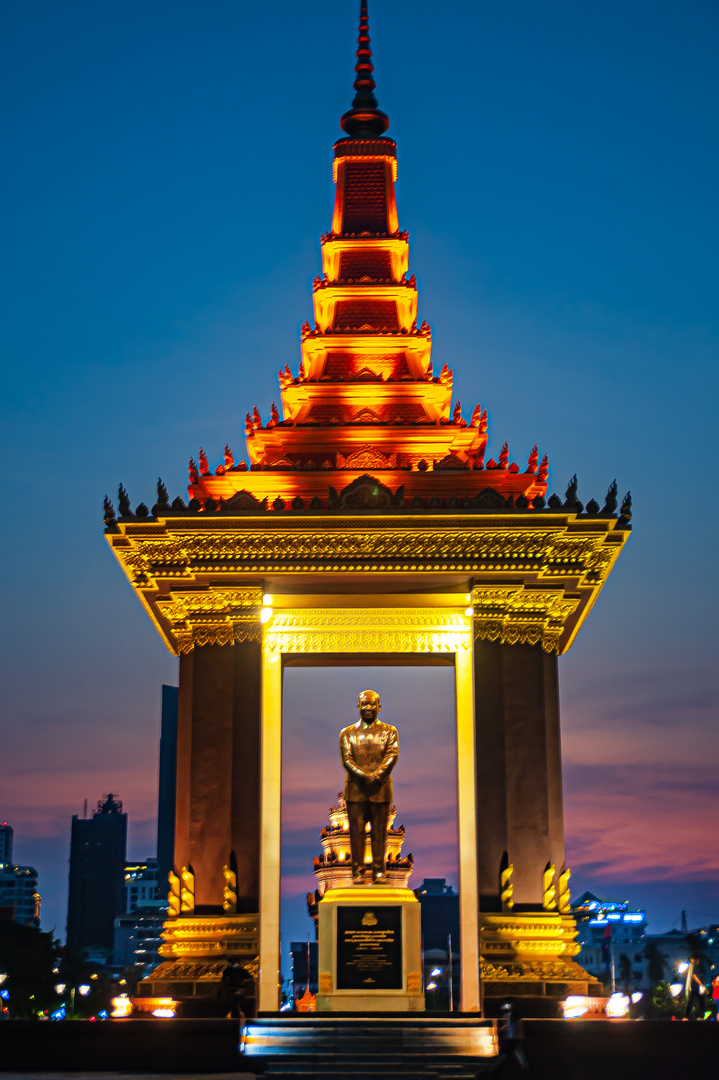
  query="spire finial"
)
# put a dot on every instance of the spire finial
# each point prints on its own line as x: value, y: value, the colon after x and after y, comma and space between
x: 364, y: 120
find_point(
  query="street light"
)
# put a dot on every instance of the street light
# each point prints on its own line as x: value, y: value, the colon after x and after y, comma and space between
x: 60, y: 988
x: 3, y: 977
x: 436, y: 971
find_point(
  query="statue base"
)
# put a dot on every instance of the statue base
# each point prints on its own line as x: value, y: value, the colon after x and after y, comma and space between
x: 530, y: 956
x: 370, y: 950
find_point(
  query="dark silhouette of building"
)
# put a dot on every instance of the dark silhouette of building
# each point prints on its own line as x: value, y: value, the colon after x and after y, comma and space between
x: 97, y: 876
x: 301, y: 952
x: 440, y: 942
x: 19, y: 894
x: 6, y: 835
x: 167, y: 786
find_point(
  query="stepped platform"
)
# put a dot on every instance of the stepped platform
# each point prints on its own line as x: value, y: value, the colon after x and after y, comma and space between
x: 384, y: 1046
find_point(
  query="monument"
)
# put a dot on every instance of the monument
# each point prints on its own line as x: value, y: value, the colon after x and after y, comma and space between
x: 371, y: 525
x: 370, y: 941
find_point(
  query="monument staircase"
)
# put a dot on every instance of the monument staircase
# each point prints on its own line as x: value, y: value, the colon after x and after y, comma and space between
x: 338, y: 1047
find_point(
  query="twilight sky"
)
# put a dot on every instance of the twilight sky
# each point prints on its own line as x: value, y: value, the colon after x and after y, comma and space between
x: 167, y: 174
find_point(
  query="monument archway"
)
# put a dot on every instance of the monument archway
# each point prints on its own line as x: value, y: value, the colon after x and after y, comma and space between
x: 370, y: 520
x: 331, y: 635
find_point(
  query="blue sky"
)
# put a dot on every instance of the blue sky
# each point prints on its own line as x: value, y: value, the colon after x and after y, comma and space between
x: 167, y: 175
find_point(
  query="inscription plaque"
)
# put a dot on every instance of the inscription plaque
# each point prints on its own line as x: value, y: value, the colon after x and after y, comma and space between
x: 369, y: 948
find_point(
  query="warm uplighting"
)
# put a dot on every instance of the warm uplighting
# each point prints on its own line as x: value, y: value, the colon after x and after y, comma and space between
x: 574, y: 1007
x: 121, y: 1006
x: 617, y: 1005
x: 469, y: 612
x: 265, y: 614
x: 267, y: 600
x: 166, y: 1009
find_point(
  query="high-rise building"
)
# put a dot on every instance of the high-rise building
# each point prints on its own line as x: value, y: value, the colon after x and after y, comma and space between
x: 18, y: 891
x: 97, y: 876
x: 6, y: 835
x: 167, y: 786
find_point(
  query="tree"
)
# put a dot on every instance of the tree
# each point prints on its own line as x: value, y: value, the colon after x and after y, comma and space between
x: 27, y: 956
x: 625, y: 971
x: 656, y: 962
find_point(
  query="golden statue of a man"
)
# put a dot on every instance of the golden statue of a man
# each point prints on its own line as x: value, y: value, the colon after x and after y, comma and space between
x: 369, y: 750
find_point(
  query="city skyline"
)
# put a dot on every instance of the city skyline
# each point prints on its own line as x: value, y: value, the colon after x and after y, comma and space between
x: 167, y: 203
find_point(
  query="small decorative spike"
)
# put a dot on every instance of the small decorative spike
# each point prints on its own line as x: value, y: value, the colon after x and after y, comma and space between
x: 457, y: 414
x: 305, y: 329
x: 571, y: 492
x: 476, y: 416
x: 229, y: 457
x: 194, y: 474
x: 274, y: 414
x: 204, y: 463
x: 563, y: 898
x: 543, y: 469
x: 256, y: 418
x: 229, y: 892
x: 142, y: 510
x: 504, y: 456
x: 533, y: 459
x: 483, y: 422
x: 123, y: 502
x: 248, y: 425
x: 506, y: 888
x: 288, y: 373
x: 163, y: 499
x: 187, y: 891
x: 109, y: 515
x: 610, y: 502
x: 625, y: 510
x: 549, y: 891
x: 592, y: 507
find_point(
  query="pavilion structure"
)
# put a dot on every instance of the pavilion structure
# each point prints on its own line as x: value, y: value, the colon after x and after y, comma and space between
x: 369, y: 524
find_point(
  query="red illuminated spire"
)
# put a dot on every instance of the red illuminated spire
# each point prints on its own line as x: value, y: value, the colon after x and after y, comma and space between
x: 364, y: 120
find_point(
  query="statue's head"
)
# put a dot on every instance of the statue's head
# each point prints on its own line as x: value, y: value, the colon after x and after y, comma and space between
x: 369, y: 705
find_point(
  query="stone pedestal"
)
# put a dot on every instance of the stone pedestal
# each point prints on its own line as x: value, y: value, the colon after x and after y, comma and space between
x: 370, y: 951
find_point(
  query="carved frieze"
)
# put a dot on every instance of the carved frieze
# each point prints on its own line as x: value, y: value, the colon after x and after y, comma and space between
x: 328, y: 630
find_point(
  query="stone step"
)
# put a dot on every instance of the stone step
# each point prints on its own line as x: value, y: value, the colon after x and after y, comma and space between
x: 360, y: 1071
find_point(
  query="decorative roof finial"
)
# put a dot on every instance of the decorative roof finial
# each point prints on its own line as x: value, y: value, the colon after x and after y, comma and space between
x: 364, y: 120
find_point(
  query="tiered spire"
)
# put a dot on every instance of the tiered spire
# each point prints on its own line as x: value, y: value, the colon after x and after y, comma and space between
x: 364, y: 118
x: 365, y: 399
